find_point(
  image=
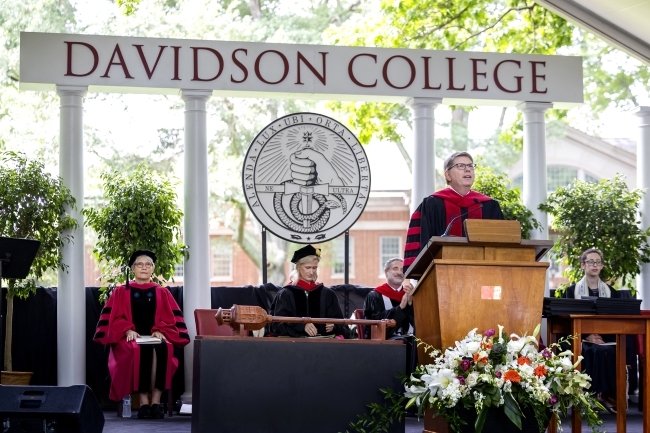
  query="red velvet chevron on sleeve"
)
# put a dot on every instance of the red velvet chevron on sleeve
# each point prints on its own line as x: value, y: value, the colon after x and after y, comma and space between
x: 412, y: 246
x: 114, y: 319
x: 169, y: 319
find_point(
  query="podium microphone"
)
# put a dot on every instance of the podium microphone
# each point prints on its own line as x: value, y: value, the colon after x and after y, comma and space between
x: 451, y: 223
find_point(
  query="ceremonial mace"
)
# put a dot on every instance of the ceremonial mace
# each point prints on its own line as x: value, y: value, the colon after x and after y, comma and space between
x: 244, y: 318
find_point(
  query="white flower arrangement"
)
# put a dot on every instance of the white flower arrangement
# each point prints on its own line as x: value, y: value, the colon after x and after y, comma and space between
x: 509, y: 373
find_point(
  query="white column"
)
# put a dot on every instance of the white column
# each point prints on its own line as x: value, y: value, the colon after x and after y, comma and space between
x: 71, y: 294
x: 196, y: 273
x: 424, y: 149
x: 534, y: 190
x: 643, y: 182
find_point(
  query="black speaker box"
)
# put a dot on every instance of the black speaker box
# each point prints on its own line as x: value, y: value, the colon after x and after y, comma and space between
x: 71, y: 409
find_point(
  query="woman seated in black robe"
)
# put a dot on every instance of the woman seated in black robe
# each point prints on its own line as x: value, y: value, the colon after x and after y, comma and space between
x: 305, y: 297
x: 599, y: 359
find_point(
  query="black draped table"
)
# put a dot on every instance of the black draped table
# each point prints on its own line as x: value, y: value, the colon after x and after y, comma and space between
x: 290, y: 385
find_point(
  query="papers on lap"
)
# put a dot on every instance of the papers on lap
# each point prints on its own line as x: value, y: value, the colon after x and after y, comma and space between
x: 147, y: 339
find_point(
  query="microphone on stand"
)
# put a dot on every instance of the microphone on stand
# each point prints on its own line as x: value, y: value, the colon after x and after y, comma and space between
x: 451, y: 223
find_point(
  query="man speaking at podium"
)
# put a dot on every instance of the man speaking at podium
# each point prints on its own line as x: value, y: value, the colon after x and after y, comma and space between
x: 443, y: 212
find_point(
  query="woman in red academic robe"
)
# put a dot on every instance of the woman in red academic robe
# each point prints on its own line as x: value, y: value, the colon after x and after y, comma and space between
x: 140, y: 308
x: 437, y: 212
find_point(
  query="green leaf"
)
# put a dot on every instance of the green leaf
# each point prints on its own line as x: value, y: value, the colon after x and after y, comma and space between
x: 513, y: 416
x: 480, y: 419
x: 512, y: 409
x: 615, y: 232
x: 140, y: 211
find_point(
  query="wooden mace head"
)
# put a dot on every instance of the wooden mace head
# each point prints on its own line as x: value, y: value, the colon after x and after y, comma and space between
x: 252, y: 317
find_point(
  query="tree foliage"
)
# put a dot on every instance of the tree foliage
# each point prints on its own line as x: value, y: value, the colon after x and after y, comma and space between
x: 601, y: 215
x: 29, y: 121
x: 234, y: 121
x: 506, y: 26
x: 128, y: 7
x: 140, y: 212
x: 497, y: 186
x: 33, y: 204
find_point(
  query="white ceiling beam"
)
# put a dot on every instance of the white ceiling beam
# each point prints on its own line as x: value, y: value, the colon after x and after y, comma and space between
x: 591, y: 21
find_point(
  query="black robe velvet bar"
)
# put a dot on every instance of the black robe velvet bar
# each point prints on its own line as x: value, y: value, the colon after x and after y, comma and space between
x: 433, y: 222
x: 374, y: 309
x: 293, y: 301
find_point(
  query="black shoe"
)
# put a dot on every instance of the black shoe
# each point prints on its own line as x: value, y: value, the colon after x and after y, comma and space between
x: 156, y: 413
x: 144, y: 412
x: 607, y: 404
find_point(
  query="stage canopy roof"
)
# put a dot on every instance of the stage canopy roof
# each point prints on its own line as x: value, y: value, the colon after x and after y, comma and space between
x: 623, y: 23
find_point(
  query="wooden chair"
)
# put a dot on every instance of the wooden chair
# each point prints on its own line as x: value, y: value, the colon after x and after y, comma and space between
x: 642, y: 355
x: 361, y: 329
x: 206, y: 324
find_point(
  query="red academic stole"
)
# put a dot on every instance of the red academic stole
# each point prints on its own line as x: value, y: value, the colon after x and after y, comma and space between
x: 453, y: 203
x: 307, y: 286
x: 388, y: 291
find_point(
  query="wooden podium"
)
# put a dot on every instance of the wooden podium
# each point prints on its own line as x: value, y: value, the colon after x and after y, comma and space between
x: 491, y: 277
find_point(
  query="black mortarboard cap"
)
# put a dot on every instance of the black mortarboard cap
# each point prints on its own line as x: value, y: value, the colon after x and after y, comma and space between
x: 305, y: 251
x: 139, y: 253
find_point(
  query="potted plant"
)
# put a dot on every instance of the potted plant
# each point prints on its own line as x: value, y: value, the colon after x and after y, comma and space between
x: 491, y: 382
x: 139, y: 212
x: 601, y: 215
x: 32, y: 205
x: 497, y: 186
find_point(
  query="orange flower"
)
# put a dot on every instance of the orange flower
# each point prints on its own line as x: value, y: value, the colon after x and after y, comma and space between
x: 484, y: 360
x: 540, y: 371
x: 512, y: 376
x: 523, y: 360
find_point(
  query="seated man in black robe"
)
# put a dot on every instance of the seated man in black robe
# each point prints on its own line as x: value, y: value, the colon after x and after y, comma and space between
x: 437, y: 211
x: 391, y: 300
x: 394, y: 300
x: 307, y: 298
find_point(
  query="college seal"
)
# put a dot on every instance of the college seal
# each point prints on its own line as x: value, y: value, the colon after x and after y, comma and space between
x: 306, y: 178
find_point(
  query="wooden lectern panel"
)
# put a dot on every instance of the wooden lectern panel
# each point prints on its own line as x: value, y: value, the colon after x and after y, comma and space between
x: 499, y: 231
x: 490, y: 278
x: 461, y: 252
x: 455, y: 296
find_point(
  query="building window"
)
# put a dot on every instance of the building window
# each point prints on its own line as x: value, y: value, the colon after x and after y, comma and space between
x: 556, y: 177
x: 178, y: 270
x: 389, y: 247
x: 222, y: 258
x: 559, y: 176
x: 338, y: 257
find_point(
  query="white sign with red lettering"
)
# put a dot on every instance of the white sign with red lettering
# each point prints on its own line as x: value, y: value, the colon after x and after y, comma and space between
x: 154, y: 65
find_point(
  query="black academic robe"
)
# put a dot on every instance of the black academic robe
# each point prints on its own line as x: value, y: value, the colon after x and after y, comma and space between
x: 294, y: 301
x: 600, y: 360
x: 374, y: 309
x: 430, y: 217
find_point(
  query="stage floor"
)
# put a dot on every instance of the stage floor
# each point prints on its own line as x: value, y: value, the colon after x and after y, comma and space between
x: 182, y: 424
